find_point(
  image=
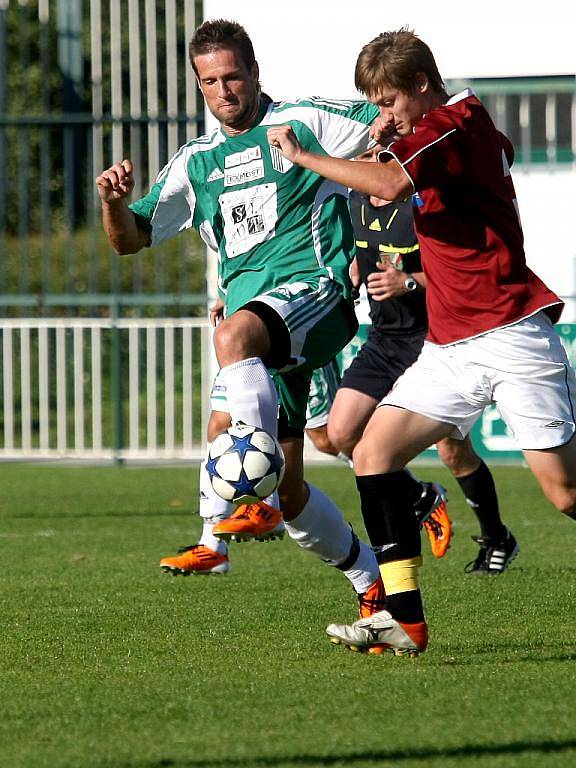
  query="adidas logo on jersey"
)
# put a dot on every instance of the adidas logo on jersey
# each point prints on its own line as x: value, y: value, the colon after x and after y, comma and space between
x: 215, y: 175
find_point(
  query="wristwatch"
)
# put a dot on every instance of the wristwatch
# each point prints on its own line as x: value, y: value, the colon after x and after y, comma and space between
x: 410, y: 284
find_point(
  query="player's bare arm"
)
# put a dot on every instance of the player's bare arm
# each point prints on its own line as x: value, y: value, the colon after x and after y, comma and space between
x: 384, y: 180
x: 114, y: 185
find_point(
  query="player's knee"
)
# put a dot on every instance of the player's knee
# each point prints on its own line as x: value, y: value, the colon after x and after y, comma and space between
x: 369, y: 460
x: 458, y: 455
x: 564, y: 499
x: 236, y: 340
x: 227, y: 342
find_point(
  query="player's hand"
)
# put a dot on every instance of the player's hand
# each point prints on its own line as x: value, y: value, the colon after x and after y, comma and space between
x: 386, y: 283
x: 283, y: 137
x: 116, y: 182
x: 382, y: 130
x: 216, y: 313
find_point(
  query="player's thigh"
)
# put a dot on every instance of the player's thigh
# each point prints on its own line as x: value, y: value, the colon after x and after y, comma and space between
x: 555, y: 470
x: 393, y: 437
x: 349, y: 415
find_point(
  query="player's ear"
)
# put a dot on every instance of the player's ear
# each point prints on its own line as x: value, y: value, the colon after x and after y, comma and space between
x: 422, y: 82
x: 255, y: 71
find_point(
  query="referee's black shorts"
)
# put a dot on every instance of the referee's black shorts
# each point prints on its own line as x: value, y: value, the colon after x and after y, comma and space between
x: 381, y: 360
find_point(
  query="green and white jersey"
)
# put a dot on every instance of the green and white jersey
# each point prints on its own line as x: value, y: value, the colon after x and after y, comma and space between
x: 270, y: 221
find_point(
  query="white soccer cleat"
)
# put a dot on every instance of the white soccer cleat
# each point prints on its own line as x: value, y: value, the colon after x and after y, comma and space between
x: 381, y: 632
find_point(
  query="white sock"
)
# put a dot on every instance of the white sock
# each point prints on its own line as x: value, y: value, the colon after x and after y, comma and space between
x: 209, y: 540
x: 273, y: 500
x: 251, y: 394
x: 321, y: 529
x: 345, y: 459
x: 212, y: 509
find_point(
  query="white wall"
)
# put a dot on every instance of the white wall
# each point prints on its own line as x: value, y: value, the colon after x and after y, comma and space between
x: 546, y: 201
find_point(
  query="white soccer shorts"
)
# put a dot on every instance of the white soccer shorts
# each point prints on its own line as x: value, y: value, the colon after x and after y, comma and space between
x: 522, y: 369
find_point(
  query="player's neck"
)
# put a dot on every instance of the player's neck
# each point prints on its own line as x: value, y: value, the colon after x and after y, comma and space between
x: 249, y: 120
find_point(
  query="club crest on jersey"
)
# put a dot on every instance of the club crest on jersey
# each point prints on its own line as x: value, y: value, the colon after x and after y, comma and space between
x: 279, y: 162
x: 242, y: 167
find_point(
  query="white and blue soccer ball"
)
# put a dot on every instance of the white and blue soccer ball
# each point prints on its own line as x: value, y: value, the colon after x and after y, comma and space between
x: 245, y: 463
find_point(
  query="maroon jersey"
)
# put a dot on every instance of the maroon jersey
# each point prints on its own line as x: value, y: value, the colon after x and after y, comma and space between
x: 467, y: 223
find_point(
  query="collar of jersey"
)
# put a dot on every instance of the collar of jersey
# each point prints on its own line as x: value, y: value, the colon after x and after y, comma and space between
x: 465, y: 94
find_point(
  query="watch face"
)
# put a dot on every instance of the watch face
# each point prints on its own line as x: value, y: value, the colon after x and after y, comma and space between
x: 410, y: 284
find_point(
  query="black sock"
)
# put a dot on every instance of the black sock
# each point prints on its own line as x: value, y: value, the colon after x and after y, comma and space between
x: 387, y: 503
x: 480, y: 493
x: 406, y: 606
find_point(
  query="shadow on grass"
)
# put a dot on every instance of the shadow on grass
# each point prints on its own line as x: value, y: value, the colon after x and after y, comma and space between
x: 365, y: 758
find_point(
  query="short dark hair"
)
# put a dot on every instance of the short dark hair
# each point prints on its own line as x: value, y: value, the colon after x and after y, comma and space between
x: 394, y: 59
x: 216, y: 34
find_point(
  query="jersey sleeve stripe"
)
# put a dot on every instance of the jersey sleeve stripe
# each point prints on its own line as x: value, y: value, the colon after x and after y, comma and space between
x: 408, y: 160
x: 389, y: 152
x: 337, y: 134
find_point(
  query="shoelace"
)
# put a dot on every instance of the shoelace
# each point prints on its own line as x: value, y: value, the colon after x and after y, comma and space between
x: 181, y: 550
x: 245, y: 514
x: 435, y: 525
x: 373, y: 604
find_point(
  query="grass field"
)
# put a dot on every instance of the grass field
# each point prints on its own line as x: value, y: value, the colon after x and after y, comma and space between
x: 105, y: 662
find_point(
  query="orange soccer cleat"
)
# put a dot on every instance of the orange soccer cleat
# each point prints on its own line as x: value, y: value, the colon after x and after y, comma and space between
x: 373, y: 600
x: 257, y: 520
x: 196, y: 559
x: 432, y: 513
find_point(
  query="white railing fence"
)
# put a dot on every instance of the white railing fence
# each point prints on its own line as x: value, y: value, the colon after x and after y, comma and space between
x: 104, y: 389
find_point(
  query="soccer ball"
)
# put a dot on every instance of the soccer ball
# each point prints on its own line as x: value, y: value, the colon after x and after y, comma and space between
x: 245, y: 463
